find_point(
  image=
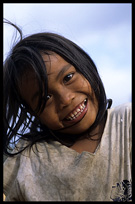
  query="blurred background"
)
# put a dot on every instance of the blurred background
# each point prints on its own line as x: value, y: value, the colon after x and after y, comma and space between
x: 103, y: 30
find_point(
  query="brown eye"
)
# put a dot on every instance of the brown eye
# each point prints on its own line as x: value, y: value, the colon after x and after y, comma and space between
x: 68, y: 77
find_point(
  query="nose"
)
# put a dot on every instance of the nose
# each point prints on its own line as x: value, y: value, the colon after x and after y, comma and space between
x: 65, y: 97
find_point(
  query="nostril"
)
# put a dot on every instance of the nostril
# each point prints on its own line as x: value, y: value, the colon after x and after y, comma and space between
x: 64, y: 103
x: 65, y: 99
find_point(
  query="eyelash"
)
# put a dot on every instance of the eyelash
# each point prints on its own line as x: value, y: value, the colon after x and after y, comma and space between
x: 48, y: 97
x: 65, y: 81
x: 70, y: 74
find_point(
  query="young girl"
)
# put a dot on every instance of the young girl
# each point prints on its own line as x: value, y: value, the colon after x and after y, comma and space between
x: 68, y: 144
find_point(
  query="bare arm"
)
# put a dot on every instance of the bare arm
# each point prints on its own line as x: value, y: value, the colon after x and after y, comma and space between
x: 4, y: 197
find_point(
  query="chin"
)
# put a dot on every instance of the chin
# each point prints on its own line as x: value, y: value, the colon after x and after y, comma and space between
x: 77, y: 129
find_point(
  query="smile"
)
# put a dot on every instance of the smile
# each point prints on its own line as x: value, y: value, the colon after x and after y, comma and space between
x: 78, y: 113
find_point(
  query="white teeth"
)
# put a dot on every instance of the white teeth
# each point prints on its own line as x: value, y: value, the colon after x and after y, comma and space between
x: 77, y: 112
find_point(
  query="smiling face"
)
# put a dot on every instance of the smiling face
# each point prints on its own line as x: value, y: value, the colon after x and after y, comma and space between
x: 71, y: 107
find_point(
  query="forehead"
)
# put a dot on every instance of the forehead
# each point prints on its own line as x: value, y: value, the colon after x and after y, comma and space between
x: 54, y: 63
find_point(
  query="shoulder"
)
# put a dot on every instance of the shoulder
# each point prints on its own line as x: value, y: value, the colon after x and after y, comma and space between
x: 25, y: 165
x: 118, y: 127
x: 41, y: 156
x: 123, y: 112
x: 35, y: 167
x: 119, y: 120
x: 123, y: 107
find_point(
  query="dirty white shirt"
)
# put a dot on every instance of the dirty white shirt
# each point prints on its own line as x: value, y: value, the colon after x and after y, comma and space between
x: 58, y: 173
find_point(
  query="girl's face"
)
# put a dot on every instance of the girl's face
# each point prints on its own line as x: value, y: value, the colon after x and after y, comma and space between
x: 71, y: 107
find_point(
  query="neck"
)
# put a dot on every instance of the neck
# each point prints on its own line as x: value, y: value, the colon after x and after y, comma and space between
x: 89, y: 141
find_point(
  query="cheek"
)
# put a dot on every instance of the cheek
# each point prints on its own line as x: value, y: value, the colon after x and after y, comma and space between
x: 84, y: 85
x: 50, y: 119
x: 92, y: 110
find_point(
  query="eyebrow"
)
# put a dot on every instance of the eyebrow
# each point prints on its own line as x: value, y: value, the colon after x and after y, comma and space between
x: 62, y: 71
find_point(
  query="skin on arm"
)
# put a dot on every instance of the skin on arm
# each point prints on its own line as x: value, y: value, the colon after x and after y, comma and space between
x: 4, y: 197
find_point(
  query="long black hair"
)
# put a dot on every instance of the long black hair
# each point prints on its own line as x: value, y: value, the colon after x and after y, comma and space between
x: 27, y: 54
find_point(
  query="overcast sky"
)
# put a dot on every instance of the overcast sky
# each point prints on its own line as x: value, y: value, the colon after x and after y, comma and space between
x: 102, y: 30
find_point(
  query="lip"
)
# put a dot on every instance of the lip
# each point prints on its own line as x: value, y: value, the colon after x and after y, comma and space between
x: 79, y: 118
